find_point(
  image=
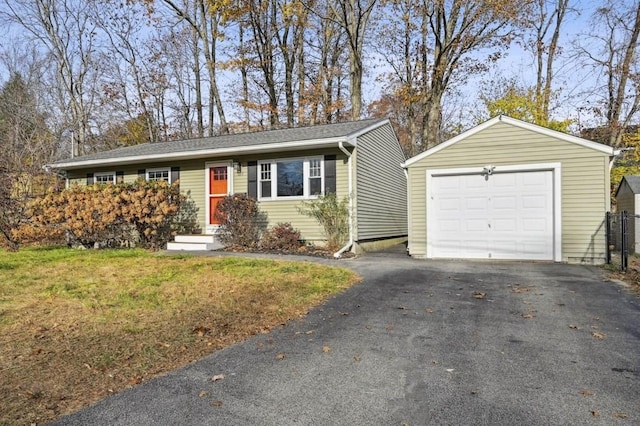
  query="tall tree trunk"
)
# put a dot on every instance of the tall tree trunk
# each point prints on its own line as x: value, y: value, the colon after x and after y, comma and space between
x: 617, y: 95
x: 353, y: 17
x: 245, y: 78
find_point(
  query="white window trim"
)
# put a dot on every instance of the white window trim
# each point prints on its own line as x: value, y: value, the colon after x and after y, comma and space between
x: 158, y: 169
x: 305, y: 177
x: 96, y: 174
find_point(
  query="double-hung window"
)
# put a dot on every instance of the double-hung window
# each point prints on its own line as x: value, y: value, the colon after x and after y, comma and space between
x: 156, y: 175
x: 265, y: 180
x: 291, y: 178
x: 105, y: 177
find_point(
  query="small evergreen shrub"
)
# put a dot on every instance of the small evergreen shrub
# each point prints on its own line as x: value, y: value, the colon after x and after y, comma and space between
x: 282, y: 237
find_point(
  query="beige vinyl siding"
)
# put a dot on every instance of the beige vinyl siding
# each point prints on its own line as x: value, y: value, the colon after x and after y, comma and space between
x: 79, y: 177
x: 380, y: 186
x: 285, y: 211
x: 584, y: 180
x: 193, y: 184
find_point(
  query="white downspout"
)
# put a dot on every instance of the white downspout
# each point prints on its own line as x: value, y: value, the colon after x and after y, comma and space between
x: 616, y: 154
x: 338, y: 254
x: 406, y: 176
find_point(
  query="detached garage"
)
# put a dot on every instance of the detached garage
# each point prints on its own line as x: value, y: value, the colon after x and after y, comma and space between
x: 507, y: 189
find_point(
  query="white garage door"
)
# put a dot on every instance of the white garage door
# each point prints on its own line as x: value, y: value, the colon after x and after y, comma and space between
x: 499, y: 216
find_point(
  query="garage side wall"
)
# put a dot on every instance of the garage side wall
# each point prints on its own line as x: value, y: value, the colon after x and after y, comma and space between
x: 584, y: 194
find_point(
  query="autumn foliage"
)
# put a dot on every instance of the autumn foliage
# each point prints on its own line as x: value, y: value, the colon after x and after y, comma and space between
x: 140, y: 214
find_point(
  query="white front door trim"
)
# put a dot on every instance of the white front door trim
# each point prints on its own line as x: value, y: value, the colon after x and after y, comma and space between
x: 213, y: 228
x: 555, y: 168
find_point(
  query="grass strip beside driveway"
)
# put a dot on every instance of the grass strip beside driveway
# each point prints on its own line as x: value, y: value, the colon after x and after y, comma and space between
x: 76, y: 326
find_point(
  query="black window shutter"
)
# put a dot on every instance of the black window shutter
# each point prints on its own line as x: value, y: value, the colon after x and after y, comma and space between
x: 142, y: 174
x: 329, y: 174
x: 119, y: 177
x: 252, y: 173
x: 90, y: 180
x: 175, y: 174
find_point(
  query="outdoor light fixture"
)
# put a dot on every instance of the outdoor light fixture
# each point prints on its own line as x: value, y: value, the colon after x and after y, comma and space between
x: 488, y: 170
x: 237, y: 166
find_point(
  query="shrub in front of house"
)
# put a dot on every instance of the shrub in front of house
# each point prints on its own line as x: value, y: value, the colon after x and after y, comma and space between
x: 129, y: 214
x: 332, y: 214
x: 240, y: 221
x: 282, y: 238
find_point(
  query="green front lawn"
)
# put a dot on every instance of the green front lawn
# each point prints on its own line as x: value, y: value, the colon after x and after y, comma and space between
x: 78, y: 325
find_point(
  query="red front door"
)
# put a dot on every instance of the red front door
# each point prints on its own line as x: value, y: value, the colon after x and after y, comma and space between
x: 218, y: 189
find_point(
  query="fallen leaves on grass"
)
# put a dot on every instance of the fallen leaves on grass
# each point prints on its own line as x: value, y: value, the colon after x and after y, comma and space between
x: 595, y: 413
x: 216, y: 404
x: 428, y: 310
x: 479, y: 295
x: 528, y: 316
x: 599, y: 335
x: 326, y: 349
x: 619, y: 415
x: 520, y: 289
x: 200, y: 331
x: 281, y: 356
x: 203, y: 393
x: 585, y: 393
x: 87, y: 324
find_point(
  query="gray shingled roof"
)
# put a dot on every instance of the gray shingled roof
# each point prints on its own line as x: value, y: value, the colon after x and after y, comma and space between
x: 296, y: 134
x: 634, y: 183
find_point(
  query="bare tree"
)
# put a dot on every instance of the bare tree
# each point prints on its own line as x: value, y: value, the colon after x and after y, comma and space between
x: 124, y: 26
x: 25, y: 146
x: 453, y: 31
x: 397, y: 44
x: 261, y: 15
x: 64, y: 28
x: 205, y: 19
x: 325, y: 61
x: 353, y: 16
x: 546, y: 21
x: 432, y: 48
x: 613, y: 53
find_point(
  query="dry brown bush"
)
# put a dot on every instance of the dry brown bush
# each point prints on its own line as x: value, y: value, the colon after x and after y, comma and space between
x: 141, y: 214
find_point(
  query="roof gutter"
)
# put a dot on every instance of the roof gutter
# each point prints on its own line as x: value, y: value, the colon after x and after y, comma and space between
x: 196, y: 154
x: 338, y: 254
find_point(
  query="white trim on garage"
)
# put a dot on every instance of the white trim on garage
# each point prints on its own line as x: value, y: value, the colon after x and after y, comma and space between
x: 555, y: 168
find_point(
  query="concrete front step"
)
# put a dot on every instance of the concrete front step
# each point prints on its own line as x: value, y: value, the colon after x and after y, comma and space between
x: 196, y: 238
x: 173, y: 246
x: 198, y: 242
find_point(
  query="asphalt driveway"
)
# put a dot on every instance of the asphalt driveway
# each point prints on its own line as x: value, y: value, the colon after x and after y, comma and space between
x: 419, y: 343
